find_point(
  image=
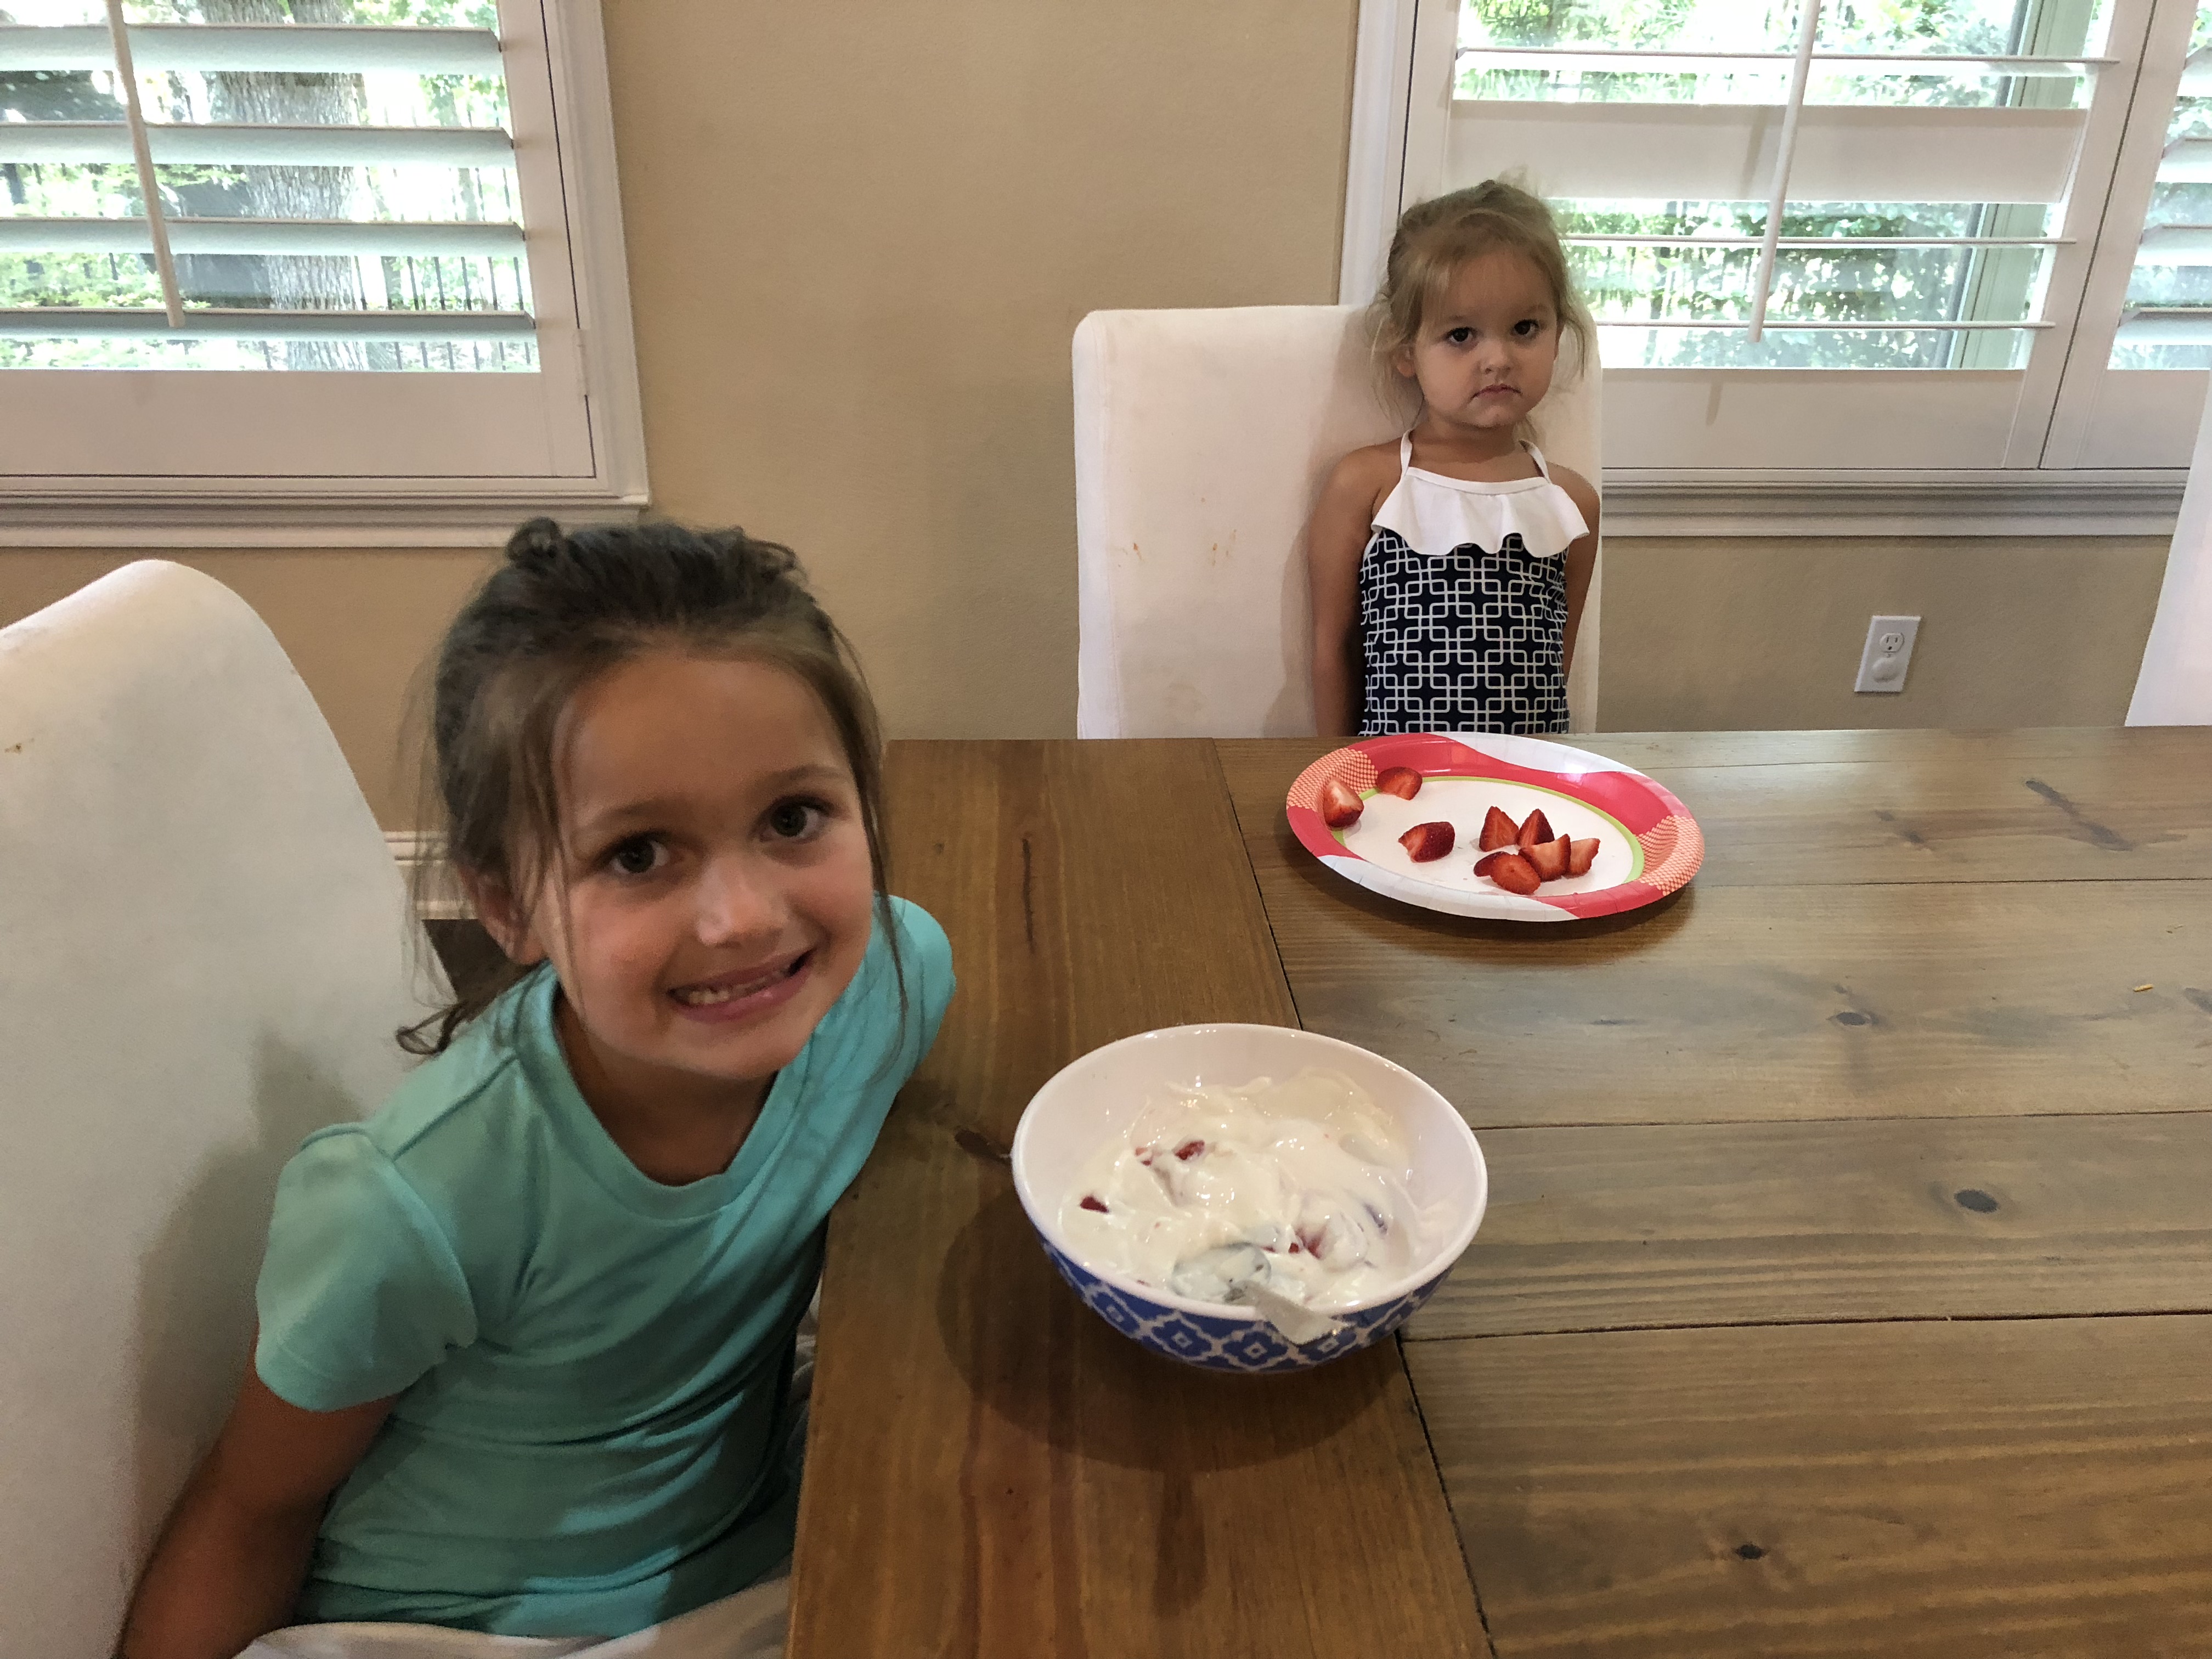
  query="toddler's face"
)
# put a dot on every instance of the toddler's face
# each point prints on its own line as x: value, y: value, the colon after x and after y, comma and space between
x: 1487, y: 345
x: 719, y: 896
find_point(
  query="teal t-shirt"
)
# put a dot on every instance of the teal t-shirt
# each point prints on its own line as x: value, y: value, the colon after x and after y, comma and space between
x: 593, y: 1368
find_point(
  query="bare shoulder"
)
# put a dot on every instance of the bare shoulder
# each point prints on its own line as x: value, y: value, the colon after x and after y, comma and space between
x: 1580, y: 490
x: 1365, y: 475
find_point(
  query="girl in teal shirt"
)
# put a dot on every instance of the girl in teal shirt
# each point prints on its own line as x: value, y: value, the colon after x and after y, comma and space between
x: 526, y: 1334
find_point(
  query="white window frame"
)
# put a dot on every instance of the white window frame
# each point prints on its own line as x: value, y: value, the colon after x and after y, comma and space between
x: 587, y: 353
x: 1401, y: 116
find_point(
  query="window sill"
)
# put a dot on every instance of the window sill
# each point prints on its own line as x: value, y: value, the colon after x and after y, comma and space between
x: 1655, y: 503
x: 235, y: 514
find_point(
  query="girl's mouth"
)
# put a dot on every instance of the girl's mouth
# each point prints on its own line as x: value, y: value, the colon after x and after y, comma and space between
x: 743, y: 992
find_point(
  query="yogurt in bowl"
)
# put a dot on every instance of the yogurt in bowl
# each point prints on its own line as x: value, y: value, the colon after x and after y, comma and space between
x: 1250, y: 1198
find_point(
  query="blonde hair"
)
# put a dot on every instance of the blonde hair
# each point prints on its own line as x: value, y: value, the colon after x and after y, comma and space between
x: 1436, y: 238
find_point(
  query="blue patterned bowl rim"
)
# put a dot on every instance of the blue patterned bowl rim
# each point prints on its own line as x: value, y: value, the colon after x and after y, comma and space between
x: 1428, y: 1274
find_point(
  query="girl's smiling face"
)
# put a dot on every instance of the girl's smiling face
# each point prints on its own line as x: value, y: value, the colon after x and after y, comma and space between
x: 1488, y: 342
x: 713, y: 894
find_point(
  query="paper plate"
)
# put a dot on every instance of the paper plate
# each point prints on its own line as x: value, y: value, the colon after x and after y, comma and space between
x: 1648, y: 843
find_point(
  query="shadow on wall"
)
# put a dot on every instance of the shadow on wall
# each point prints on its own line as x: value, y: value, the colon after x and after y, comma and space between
x: 196, y: 1318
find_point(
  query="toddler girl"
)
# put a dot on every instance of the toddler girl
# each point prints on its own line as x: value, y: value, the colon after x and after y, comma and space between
x: 1449, y: 568
x: 526, y: 1335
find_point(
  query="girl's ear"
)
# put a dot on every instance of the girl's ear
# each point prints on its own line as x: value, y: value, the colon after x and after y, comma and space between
x: 1401, y: 359
x: 501, y: 916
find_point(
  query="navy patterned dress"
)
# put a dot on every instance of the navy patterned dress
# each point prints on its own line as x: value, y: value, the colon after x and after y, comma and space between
x: 1461, y: 638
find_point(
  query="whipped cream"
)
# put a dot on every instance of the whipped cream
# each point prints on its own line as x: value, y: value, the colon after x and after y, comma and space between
x: 1268, y: 1193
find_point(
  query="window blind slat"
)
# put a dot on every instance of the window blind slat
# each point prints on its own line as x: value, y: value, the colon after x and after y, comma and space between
x: 341, y: 237
x: 221, y: 145
x: 1726, y: 152
x: 80, y: 322
x: 295, y: 48
x: 2166, y: 327
x: 2186, y: 161
x: 1638, y: 60
x: 2176, y: 245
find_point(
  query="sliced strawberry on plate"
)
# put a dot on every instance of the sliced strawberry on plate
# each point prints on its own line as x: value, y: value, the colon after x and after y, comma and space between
x: 1580, y: 855
x: 1535, y: 829
x: 1093, y: 1201
x: 1498, y: 830
x: 1338, y: 805
x: 1550, y: 858
x: 1189, y: 1150
x: 1510, y: 871
x: 1425, y: 843
x: 1403, y: 782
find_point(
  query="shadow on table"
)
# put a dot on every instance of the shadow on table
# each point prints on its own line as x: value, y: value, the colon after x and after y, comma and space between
x: 1047, y: 1369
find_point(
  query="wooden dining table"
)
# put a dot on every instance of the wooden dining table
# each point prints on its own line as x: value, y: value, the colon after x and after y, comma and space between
x: 1846, y: 1287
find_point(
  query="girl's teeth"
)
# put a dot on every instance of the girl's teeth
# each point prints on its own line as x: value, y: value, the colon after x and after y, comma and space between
x: 708, y: 998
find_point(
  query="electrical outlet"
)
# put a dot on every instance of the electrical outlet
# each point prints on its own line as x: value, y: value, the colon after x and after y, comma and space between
x: 1888, y: 654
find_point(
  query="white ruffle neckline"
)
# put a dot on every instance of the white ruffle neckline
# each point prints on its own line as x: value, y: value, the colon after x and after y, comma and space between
x: 1435, y: 515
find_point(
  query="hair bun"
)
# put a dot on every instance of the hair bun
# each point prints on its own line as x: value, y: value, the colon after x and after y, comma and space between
x: 535, y: 544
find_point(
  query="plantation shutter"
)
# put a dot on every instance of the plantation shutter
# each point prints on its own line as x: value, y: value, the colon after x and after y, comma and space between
x: 367, y: 195
x: 1940, y: 193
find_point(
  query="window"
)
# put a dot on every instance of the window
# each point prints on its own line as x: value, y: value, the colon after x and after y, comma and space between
x: 286, y: 252
x: 1879, y: 245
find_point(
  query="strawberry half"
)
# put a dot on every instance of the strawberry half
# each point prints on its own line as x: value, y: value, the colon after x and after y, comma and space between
x: 1511, y: 872
x: 1498, y: 830
x: 1403, y: 782
x: 1425, y: 843
x: 1550, y: 858
x: 1537, y: 828
x: 1338, y: 805
x: 1580, y: 855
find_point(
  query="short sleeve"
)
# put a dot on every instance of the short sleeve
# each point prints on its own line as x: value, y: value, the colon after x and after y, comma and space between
x: 360, y: 1292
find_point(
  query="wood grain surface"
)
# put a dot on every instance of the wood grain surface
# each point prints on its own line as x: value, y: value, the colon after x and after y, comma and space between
x: 990, y: 1470
x: 1601, y: 1228
x: 1992, y: 1489
x: 1821, y: 809
x: 1745, y: 1004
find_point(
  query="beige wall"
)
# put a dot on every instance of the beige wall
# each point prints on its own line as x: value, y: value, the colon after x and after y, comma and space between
x: 1745, y: 633
x: 860, y: 235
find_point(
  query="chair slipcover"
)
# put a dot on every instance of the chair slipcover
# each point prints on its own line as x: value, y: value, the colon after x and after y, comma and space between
x: 1202, y: 440
x: 204, y: 949
x: 2174, y: 686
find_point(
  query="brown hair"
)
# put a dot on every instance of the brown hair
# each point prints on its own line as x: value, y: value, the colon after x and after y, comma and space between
x: 1436, y: 238
x: 563, y: 610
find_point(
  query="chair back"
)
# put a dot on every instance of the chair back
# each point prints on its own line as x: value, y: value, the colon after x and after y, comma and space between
x: 205, y: 947
x: 1202, y: 439
x: 2173, y: 687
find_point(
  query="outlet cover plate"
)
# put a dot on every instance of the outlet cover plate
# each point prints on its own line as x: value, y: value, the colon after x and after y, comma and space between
x: 1888, y: 654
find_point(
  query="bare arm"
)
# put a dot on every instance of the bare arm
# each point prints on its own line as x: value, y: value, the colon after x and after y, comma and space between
x: 1336, y: 535
x: 1582, y: 556
x: 229, y: 1565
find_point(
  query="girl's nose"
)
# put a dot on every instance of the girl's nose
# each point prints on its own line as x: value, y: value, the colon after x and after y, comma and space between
x: 736, y: 900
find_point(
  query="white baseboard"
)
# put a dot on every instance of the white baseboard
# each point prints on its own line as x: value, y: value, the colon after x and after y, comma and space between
x: 438, y: 896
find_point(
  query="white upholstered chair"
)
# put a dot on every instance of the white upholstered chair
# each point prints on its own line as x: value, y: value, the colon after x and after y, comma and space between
x: 1202, y: 440
x: 204, y: 949
x: 2174, y: 685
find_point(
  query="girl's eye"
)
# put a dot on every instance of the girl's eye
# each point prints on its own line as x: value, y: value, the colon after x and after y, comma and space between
x: 640, y: 856
x: 1528, y: 328
x: 1460, y: 336
x: 795, y: 820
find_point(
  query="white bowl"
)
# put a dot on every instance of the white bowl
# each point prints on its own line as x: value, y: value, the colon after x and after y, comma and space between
x: 1098, y: 1098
